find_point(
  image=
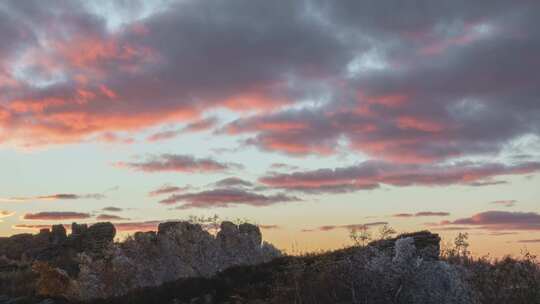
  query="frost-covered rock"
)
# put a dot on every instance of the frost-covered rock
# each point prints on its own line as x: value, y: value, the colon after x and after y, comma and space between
x: 427, y: 244
x: 177, y: 250
x: 409, y: 278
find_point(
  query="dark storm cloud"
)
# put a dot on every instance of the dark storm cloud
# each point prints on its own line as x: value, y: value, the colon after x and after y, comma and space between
x: 405, y: 82
x: 427, y: 105
x: 238, y: 59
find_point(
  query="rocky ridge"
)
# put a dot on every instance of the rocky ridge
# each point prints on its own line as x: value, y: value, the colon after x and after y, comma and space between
x: 183, y: 263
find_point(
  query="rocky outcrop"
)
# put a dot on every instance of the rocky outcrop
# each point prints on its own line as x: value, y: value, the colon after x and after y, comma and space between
x: 97, y: 238
x: 87, y: 264
x: 58, y: 234
x: 177, y: 250
x: 427, y: 244
x: 54, y: 246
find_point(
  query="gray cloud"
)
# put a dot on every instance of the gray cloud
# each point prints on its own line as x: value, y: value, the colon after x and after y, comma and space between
x: 405, y: 83
x: 56, y: 215
x: 110, y: 217
x: 421, y: 214
x: 499, y: 220
x: 178, y: 163
x: 167, y: 189
x: 232, y: 182
x: 225, y: 198
x: 54, y: 197
x: 370, y: 174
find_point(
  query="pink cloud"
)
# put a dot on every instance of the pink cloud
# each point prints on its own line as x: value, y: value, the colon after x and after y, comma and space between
x: 167, y: 189
x: 498, y: 220
x: 369, y: 174
x: 225, y: 198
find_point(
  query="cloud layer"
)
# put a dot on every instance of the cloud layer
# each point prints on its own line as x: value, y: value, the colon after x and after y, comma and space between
x: 371, y: 174
x: 430, y: 82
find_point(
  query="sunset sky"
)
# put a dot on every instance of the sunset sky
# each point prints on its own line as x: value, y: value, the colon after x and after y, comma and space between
x: 307, y: 117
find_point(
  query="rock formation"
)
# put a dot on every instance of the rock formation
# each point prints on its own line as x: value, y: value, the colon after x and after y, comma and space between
x: 427, y: 244
x: 55, y: 247
x: 177, y: 250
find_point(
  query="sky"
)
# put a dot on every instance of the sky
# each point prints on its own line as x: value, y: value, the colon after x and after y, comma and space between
x: 309, y: 117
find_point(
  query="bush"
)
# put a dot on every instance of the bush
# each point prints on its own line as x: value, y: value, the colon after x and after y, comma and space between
x: 368, y: 275
x: 508, y: 280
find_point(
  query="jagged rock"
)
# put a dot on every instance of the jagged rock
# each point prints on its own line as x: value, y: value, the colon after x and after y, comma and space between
x: 427, y: 244
x: 87, y: 264
x: 77, y: 230
x: 227, y: 235
x: 58, y: 234
x: 240, y: 244
x: 252, y: 233
x: 99, y: 236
